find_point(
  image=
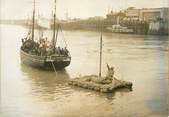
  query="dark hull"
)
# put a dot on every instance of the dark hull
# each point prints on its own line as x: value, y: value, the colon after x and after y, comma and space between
x: 58, y: 65
x: 42, y: 62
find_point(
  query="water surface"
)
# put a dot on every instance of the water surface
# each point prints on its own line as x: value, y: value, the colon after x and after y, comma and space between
x: 30, y: 92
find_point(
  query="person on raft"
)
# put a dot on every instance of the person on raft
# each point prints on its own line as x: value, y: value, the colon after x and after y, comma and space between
x: 110, y: 72
x: 105, y: 80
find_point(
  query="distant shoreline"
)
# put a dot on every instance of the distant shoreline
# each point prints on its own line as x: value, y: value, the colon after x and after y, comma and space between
x: 75, y: 27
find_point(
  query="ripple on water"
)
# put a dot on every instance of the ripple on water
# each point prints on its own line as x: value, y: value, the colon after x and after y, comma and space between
x: 29, y: 92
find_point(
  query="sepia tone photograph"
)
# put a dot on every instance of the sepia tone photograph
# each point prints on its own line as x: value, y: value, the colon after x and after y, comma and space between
x: 84, y: 58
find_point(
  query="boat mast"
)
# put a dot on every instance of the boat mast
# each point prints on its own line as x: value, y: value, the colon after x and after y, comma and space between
x: 33, y: 19
x: 100, y: 67
x: 54, y: 26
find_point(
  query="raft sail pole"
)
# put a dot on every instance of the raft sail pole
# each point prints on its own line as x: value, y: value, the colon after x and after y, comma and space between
x: 33, y: 20
x: 100, y: 67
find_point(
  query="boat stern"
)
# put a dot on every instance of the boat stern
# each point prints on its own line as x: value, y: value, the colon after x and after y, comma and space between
x: 57, y: 62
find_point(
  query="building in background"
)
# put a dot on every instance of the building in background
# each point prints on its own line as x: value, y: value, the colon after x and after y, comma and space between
x: 153, y: 14
x: 132, y: 13
x: 147, y: 14
x: 145, y: 20
x: 157, y: 18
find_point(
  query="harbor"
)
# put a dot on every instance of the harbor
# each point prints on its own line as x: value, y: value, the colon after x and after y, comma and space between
x: 27, y: 91
x: 145, y: 21
x: 99, y: 64
x: 151, y: 21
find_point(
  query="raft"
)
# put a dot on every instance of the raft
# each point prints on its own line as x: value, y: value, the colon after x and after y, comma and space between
x: 92, y: 82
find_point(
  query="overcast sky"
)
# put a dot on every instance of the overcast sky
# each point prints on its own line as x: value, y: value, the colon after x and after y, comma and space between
x: 14, y: 9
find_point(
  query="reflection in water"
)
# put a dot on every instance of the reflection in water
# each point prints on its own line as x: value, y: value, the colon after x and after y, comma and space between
x: 46, y: 84
x: 31, y: 92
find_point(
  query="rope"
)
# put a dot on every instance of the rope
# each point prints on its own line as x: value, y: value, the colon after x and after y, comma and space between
x: 54, y: 68
x: 63, y: 36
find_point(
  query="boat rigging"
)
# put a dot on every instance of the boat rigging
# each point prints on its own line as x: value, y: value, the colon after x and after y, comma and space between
x: 44, y: 53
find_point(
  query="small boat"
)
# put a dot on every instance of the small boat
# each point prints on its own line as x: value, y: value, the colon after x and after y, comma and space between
x: 119, y: 29
x: 43, y: 53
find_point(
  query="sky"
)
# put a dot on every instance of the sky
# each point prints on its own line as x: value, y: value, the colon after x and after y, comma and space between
x: 22, y: 9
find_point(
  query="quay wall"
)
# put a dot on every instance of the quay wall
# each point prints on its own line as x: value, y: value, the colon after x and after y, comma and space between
x: 138, y: 26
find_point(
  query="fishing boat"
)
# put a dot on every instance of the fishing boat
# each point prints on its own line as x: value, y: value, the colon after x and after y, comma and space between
x: 43, y: 53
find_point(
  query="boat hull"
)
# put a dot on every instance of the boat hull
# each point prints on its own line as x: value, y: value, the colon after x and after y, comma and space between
x: 123, y: 31
x: 42, y: 62
x: 56, y: 64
